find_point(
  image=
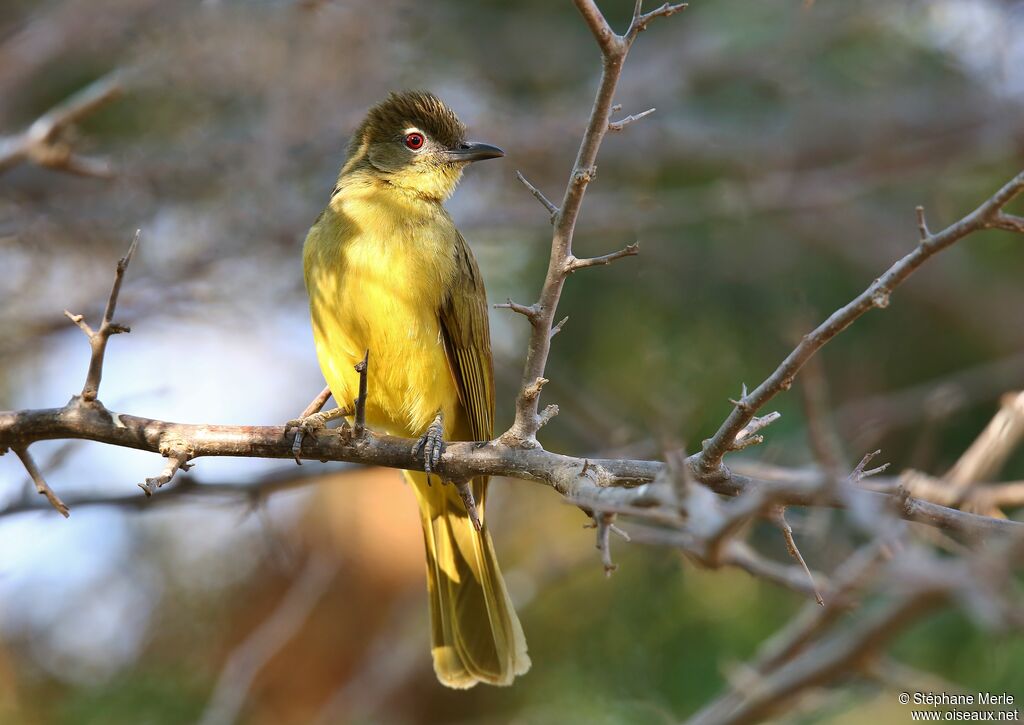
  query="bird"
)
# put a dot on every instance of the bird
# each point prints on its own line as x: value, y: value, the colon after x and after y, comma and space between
x: 390, y: 276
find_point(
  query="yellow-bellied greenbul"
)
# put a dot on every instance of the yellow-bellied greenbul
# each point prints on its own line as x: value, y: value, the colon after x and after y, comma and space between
x: 388, y: 272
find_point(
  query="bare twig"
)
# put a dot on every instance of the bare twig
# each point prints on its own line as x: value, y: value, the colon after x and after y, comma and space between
x: 530, y: 312
x: 748, y: 435
x: 317, y: 404
x: 98, y: 339
x: 875, y: 296
x: 616, y: 126
x: 176, y: 460
x: 469, y: 501
x: 362, y: 367
x: 574, y: 263
x: 922, y: 224
x: 604, y: 523
x: 859, y: 473
x: 794, y: 550
x: 614, y: 49
x: 1009, y: 222
x: 42, y: 487
x: 539, y: 195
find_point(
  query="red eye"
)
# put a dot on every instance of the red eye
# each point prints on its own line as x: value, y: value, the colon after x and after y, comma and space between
x: 414, y: 141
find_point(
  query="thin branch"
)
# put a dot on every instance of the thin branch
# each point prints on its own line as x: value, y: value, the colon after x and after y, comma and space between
x: 98, y: 339
x: 42, y: 487
x: 1009, y: 222
x: 574, y: 263
x: 614, y: 49
x: 875, y: 296
x: 469, y: 501
x: 530, y: 312
x: 987, y: 455
x: 604, y: 523
x: 748, y: 435
x: 41, y: 143
x: 794, y: 550
x: 362, y: 367
x: 317, y: 404
x: 850, y: 578
x: 641, y: 20
x: 616, y: 126
x: 831, y: 656
x: 176, y: 460
x: 922, y: 224
x: 977, y: 498
x: 265, y: 641
x: 822, y: 436
x: 185, y: 489
x: 861, y: 471
x: 734, y: 554
x: 539, y: 195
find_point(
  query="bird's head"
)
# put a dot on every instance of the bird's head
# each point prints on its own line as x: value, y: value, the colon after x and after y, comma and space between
x: 414, y: 141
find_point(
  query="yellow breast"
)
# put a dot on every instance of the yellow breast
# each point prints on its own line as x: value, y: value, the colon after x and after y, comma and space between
x: 377, y: 267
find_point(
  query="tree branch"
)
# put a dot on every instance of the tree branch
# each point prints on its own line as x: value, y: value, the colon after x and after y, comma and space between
x: 875, y: 296
x: 42, y: 487
x: 539, y: 195
x: 614, y: 49
x: 41, y: 143
x: 98, y: 339
x: 611, y: 482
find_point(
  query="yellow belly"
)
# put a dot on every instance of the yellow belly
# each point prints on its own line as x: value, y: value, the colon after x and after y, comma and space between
x: 377, y: 284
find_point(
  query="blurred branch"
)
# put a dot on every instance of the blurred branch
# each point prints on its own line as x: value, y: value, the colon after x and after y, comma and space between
x: 929, y: 400
x: 989, y: 452
x: 806, y: 654
x: 242, y: 666
x: 187, y: 488
x: 42, y: 144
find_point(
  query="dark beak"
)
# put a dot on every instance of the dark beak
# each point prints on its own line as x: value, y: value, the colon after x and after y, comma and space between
x: 474, y: 151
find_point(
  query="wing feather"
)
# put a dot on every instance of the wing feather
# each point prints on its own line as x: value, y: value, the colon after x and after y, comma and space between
x: 467, y: 341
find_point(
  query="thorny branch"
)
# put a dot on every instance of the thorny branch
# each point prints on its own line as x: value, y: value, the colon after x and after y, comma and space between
x: 562, y: 263
x: 988, y: 215
x: 694, y: 504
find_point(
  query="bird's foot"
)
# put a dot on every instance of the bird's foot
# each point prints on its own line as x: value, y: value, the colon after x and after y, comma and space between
x: 431, y: 444
x: 312, y: 423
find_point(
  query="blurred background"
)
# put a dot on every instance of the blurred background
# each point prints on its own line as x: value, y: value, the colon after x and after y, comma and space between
x: 778, y: 176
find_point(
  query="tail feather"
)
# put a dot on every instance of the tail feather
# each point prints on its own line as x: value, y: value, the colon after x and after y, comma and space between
x: 475, y: 633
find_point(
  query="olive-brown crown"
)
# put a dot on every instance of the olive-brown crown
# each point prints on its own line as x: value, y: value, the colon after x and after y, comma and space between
x: 389, y: 119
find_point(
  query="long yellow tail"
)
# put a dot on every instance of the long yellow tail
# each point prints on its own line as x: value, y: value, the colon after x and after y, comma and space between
x: 475, y: 633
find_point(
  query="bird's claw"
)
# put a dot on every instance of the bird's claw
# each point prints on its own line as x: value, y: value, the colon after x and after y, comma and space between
x: 311, y: 424
x: 431, y: 444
